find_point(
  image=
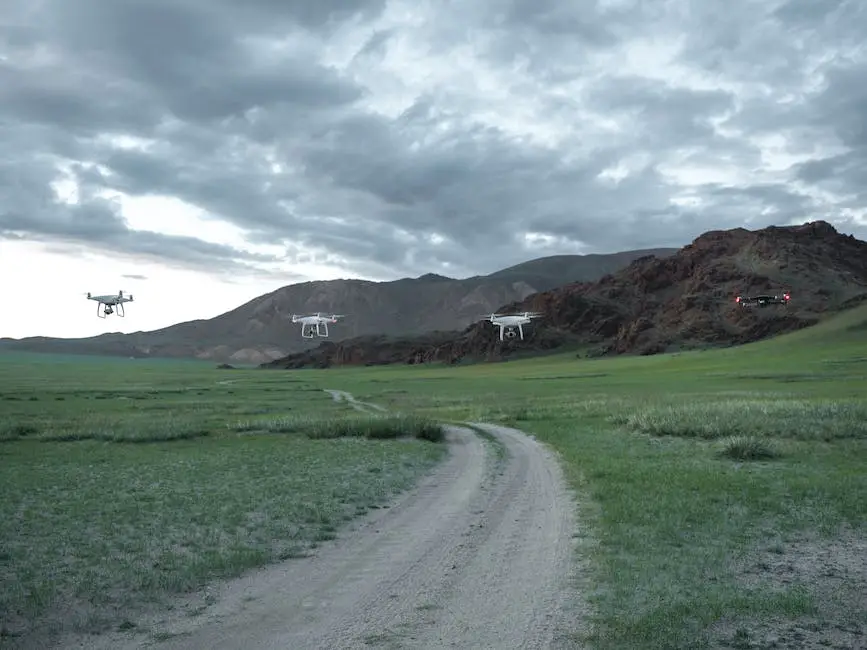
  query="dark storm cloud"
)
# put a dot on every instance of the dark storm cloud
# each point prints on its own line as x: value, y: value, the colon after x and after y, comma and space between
x: 664, y: 116
x: 843, y: 20
x: 844, y: 103
x: 845, y: 175
x: 244, y: 111
x: 319, y: 15
x: 577, y: 22
x: 202, y: 68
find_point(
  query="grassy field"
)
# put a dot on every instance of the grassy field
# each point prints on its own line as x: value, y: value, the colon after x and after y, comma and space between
x: 723, y: 494
x: 126, y: 481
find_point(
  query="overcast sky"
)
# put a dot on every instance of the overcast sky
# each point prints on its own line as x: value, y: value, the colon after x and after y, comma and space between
x: 199, y: 153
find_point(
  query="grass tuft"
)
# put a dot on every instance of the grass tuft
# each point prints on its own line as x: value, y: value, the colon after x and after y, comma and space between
x: 352, y: 425
x: 15, y: 431
x: 746, y: 448
x: 377, y: 427
x: 129, y: 430
x: 825, y: 420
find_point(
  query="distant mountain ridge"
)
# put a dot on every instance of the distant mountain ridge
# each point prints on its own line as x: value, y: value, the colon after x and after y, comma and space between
x: 654, y: 304
x: 261, y: 330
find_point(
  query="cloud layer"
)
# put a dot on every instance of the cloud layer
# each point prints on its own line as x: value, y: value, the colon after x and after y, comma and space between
x: 404, y: 137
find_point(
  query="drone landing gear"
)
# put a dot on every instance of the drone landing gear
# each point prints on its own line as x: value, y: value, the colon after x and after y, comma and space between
x: 510, y: 333
x: 312, y: 331
x: 103, y: 310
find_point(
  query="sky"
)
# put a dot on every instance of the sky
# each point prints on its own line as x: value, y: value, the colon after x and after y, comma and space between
x: 200, y: 153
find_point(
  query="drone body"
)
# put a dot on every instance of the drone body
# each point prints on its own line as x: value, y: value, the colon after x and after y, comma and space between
x: 315, y: 325
x: 763, y: 300
x: 508, y: 324
x: 106, y: 305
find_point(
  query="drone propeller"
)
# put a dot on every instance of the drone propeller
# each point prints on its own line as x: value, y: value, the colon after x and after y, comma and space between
x: 525, y: 314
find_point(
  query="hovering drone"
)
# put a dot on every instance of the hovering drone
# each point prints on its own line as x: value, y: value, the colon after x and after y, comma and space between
x: 315, y: 325
x: 763, y: 300
x: 509, y: 323
x: 106, y: 305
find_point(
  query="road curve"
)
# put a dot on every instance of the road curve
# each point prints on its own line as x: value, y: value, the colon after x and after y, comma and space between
x: 478, y: 555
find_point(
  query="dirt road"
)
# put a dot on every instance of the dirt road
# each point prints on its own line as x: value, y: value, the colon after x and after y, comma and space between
x: 478, y: 556
x: 343, y: 396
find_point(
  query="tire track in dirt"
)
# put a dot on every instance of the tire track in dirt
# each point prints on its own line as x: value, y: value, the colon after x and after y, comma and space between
x: 477, y: 555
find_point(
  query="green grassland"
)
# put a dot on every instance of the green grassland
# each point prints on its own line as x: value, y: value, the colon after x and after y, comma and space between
x: 722, y: 494
x: 124, y: 481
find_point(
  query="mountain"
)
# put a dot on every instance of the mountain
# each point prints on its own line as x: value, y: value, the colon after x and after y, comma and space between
x: 261, y: 330
x: 655, y: 304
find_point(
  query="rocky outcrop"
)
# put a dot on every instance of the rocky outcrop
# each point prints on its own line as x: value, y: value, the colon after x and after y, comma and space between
x: 658, y: 304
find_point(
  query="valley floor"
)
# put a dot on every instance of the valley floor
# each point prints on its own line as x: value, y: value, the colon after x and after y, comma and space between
x: 715, y: 500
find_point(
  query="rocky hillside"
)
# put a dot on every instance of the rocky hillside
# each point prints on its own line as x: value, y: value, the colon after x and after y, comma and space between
x: 681, y: 301
x: 261, y: 330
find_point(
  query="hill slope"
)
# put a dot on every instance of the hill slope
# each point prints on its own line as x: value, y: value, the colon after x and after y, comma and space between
x: 261, y: 329
x: 657, y: 304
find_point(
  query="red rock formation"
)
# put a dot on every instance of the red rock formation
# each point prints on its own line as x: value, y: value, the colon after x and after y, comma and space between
x: 658, y: 304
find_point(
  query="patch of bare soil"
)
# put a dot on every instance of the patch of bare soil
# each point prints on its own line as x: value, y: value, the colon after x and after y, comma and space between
x: 834, y: 571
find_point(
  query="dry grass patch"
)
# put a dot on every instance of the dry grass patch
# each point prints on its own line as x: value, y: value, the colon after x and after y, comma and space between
x: 833, y: 570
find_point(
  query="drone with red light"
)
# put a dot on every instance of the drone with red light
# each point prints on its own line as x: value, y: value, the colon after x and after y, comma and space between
x: 763, y: 300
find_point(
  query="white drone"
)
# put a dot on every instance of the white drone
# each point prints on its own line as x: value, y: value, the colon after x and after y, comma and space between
x: 509, y: 323
x: 315, y: 325
x: 106, y: 305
